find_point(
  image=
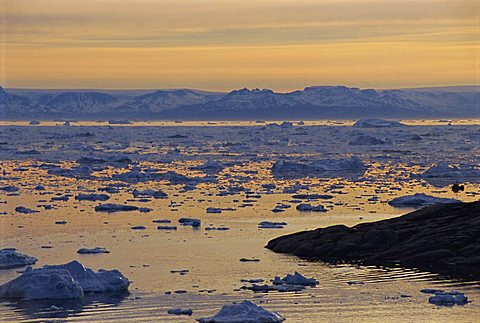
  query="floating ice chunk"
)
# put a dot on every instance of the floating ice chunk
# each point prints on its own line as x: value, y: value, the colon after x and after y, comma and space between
x: 448, y: 298
x: 9, y: 188
x: 92, y: 197
x: 420, y: 199
x: 189, y: 221
x: 90, y: 281
x: 249, y: 260
x: 245, y: 312
x: 308, y: 207
x: 166, y: 227
x: 364, y: 140
x: 377, y: 123
x: 149, y: 193
x: 43, y: 283
x: 138, y: 227
x: 115, y: 208
x: 25, y: 210
x: 271, y: 225
x: 180, y: 311
x: 92, y: 250
x: 162, y: 221
x: 10, y: 258
x: 213, y: 210
x: 210, y: 166
x: 34, y: 123
x: 295, y: 279
x: 318, y: 167
x: 452, y: 173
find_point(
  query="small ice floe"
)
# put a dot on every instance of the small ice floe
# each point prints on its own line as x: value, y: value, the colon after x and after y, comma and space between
x: 180, y: 311
x: 377, y: 123
x: 68, y: 281
x: 217, y: 228
x: 210, y: 166
x: 149, y: 193
x: 95, y: 250
x: 319, y: 168
x: 162, y: 221
x: 39, y: 188
x: 10, y: 258
x: 355, y: 282
x: 92, y: 197
x: 364, y: 140
x: 34, y: 123
x: 25, y: 210
x: 252, y: 281
x: 443, y: 171
x: 166, y: 227
x: 271, y: 225
x: 119, y: 122
x: 295, y: 279
x: 61, y: 222
x: 310, y: 208
x: 249, y: 260
x: 420, y: 199
x: 181, y: 271
x: 312, y: 196
x: 448, y: 298
x: 246, y: 312
x: 138, y: 227
x: 115, y: 208
x: 191, y: 222
x: 63, y: 198
x: 213, y: 210
x: 9, y: 188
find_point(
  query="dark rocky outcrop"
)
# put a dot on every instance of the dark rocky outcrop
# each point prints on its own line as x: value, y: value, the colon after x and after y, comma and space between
x: 441, y: 238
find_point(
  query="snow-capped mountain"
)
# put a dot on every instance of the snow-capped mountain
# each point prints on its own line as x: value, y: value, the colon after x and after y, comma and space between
x: 310, y: 103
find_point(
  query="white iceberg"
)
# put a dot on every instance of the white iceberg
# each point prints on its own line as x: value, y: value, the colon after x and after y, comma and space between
x: 245, y: 312
x: 295, y: 279
x: 377, y: 123
x: 420, y: 199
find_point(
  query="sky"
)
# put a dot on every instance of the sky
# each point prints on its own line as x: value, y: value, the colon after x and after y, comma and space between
x: 226, y: 44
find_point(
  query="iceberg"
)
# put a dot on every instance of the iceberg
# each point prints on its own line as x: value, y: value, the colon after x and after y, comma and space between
x: 245, y: 312
x: 10, y: 258
x: 420, y: 199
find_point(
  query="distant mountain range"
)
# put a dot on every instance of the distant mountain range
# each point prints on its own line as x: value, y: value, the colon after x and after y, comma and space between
x: 317, y: 102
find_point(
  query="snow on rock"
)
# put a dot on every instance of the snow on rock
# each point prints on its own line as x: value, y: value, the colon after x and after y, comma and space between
x: 246, y: 312
x: 420, y: 199
x: 10, y: 258
x: 92, y: 250
x: 377, y: 123
x: 115, y: 208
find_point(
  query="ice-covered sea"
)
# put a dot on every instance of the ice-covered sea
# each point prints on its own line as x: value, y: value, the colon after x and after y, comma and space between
x: 242, y: 173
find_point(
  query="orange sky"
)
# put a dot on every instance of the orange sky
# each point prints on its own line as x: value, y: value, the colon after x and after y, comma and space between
x: 223, y: 44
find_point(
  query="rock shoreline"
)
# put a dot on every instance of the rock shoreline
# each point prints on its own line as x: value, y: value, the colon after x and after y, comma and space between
x: 442, y: 238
